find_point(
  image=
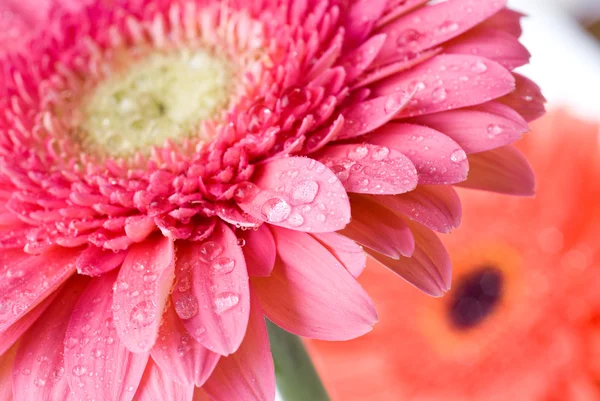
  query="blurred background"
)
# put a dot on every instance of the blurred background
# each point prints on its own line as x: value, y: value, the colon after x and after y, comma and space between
x: 522, y: 321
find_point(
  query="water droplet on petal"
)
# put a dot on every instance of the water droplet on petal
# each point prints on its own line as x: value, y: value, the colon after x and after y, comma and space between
x: 447, y: 27
x: 276, y: 210
x: 479, y: 67
x: 79, y: 370
x: 304, y: 192
x: 340, y: 172
x: 494, y: 130
x: 210, y: 250
x: 186, y: 306
x: 241, y: 242
x: 439, y: 95
x: 380, y: 153
x: 223, y: 265
x: 458, y: 156
x: 410, y: 37
x: 295, y: 220
x: 143, y: 314
x: 226, y: 301
x: 184, y: 284
x: 150, y: 277
x: 358, y: 152
x: 245, y: 192
x: 139, y: 267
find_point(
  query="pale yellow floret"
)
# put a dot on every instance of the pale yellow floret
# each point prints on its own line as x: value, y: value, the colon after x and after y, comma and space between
x: 160, y: 96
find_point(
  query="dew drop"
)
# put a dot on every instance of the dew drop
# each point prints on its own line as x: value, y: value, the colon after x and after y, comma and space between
x: 276, y: 210
x: 458, y: 156
x: 494, y: 130
x: 245, y: 192
x: 150, y: 277
x: 186, y: 306
x: 479, y: 67
x: 143, y: 314
x: 226, y: 301
x: 241, y: 242
x: 447, y: 27
x: 210, y: 250
x: 304, y: 192
x: 439, y: 95
x: 295, y: 220
x: 391, y: 104
x: 223, y: 265
x: 380, y: 153
x: 79, y: 370
x: 340, y: 172
x: 184, y: 284
x: 358, y: 152
x: 410, y: 37
x: 96, y: 353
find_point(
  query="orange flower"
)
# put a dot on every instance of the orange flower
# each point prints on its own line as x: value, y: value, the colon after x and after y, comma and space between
x: 522, y: 321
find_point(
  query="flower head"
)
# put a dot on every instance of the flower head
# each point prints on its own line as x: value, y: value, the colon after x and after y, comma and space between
x: 155, y: 154
x: 521, y: 321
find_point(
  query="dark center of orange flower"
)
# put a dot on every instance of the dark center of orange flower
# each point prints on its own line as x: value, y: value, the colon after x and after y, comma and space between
x: 476, y: 295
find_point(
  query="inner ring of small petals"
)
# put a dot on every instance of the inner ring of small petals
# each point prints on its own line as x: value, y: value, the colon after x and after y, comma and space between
x: 148, y: 97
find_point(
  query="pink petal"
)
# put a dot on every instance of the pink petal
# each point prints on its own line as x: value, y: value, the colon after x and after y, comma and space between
x: 310, y: 294
x: 141, y: 292
x: 526, y: 99
x: 28, y: 280
x: 138, y: 228
x: 429, y: 269
x: 474, y: 130
x: 96, y: 261
x: 504, y: 170
x: 378, y: 228
x: 435, y: 206
x: 346, y: 251
x: 438, y: 159
x: 493, y: 44
x: 366, y: 116
x: 361, y: 19
x: 235, y: 217
x: 397, y: 10
x: 212, y: 294
x: 505, y: 20
x: 358, y: 60
x: 156, y: 386
x: 6, y: 372
x: 298, y: 193
x: 41, y: 350
x: 248, y: 374
x: 115, y: 373
x: 410, y: 61
x: 11, y: 335
x: 259, y: 251
x: 366, y: 168
x: 179, y: 355
x: 448, y: 81
x: 430, y: 26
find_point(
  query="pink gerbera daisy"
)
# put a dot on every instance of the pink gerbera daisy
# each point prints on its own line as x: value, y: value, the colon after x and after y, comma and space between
x: 155, y: 154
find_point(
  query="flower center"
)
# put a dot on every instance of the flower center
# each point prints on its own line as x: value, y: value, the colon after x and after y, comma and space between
x: 476, y: 296
x: 163, y: 95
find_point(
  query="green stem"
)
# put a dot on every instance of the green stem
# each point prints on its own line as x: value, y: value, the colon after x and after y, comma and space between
x: 297, y: 379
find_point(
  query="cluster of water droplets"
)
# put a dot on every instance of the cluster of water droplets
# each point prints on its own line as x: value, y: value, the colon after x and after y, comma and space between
x: 371, y: 169
x: 186, y: 303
